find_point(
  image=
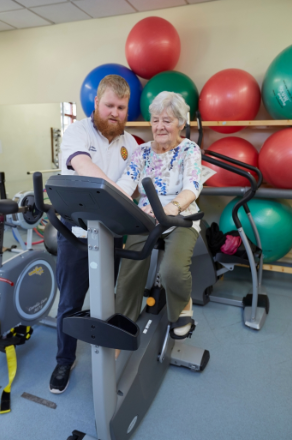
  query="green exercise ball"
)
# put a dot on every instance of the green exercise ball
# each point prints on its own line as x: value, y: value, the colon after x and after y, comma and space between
x: 277, y: 86
x: 273, y: 220
x: 170, y: 81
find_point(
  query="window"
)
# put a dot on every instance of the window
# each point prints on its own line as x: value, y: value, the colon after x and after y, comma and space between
x: 68, y: 114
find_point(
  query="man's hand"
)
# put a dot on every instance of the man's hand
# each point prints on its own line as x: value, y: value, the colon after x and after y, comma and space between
x: 136, y: 193
x: 84, y: 166
x: 148, y: 210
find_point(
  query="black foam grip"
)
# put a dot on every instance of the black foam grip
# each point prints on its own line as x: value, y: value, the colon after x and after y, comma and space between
x: 65, y: 231
x: 38, y: 192
x: 8, y: 206
x: 238, y: 163
x: 148, y: 247
x: 200, y: 128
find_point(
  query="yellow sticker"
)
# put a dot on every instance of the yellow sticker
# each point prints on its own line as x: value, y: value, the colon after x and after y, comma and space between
x: 124, y: 153
x: 36, y: 271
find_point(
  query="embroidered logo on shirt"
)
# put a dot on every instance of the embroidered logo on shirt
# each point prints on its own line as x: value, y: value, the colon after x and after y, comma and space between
x: 92, y: 148
x: 124, y: 153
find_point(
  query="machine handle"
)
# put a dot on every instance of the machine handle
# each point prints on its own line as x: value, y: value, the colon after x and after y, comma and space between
x: 163, y: 219
x: 65, y: 231
x: 233, y: 169
x: 165, y: 222
x: 254, y: 185
x: 8, y: 206
x: 188, y: 126
x: 51, y: 213
x: 2, y: 186
x: 238, y: 163
x: 200, y: 128
x: 151, y: 241
x: 38, y: 193
x: 248, y: 196
x: 223, y: 157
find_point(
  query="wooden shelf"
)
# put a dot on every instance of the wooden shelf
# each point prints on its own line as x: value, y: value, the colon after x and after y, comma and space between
x: 138, y: 124
x: 276, y: 268
x: 267, y: 123
x: 273, y: 268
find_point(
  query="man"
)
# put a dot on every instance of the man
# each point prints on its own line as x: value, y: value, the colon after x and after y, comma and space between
x: 95, y: 147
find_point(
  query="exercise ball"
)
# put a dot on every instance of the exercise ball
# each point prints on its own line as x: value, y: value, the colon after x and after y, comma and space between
x: 92, y: 80
x: 274, y: 223
x: 275, y: 159
x: 277, y: 86
x: 152, y: 46
x: 170, y: 81
x: 235, y: 148
x: 138, y: 139
x: 230, y: 95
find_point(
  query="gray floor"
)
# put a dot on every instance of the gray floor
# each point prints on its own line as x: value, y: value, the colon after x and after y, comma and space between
x: 244, y: 393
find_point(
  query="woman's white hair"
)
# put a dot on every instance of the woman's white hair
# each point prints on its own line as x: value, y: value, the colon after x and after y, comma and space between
x: 171, y: 102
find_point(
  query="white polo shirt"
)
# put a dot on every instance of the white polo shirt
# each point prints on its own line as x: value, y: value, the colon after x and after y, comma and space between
x: 82, y: 138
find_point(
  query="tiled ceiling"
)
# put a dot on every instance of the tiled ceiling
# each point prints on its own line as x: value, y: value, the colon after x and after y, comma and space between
x: 19, y: 14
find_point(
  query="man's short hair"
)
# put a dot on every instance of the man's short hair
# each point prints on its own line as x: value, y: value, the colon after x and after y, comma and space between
x: 115, y: 82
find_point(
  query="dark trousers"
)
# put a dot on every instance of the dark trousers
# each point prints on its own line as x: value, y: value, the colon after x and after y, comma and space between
x: 73, y: 283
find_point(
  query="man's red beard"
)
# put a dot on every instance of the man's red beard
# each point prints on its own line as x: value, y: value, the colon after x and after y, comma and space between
x: 106, y: 128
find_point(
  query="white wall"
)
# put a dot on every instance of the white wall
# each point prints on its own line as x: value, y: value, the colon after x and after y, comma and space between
x: 25, y: 135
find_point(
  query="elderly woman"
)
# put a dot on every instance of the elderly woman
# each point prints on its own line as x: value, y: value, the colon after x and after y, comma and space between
x: 174, y: 165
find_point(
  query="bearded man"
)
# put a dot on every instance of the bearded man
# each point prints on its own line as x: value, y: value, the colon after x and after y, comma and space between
x: 96, y: 147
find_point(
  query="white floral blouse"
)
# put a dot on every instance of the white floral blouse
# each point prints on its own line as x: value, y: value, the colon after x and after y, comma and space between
x: 171, y: 172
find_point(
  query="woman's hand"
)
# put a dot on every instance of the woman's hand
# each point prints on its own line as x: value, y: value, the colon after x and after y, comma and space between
x: 171, y: 209
x: 148, y: 210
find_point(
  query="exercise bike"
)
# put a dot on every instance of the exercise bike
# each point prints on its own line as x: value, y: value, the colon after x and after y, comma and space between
x: 123, y: 389
x: 27, y: 281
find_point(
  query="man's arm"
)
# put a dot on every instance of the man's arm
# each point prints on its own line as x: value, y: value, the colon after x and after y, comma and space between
x: 84, y: 166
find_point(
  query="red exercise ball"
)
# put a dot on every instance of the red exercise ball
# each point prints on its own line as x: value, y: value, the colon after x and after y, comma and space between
x: 152, y: 46
x: 138, y: 139
x: 275, y: 159
x: 230, y: 95
x: 238, y: 149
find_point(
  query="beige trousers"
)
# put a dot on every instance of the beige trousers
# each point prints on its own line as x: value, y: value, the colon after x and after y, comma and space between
x: 174, y: 272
